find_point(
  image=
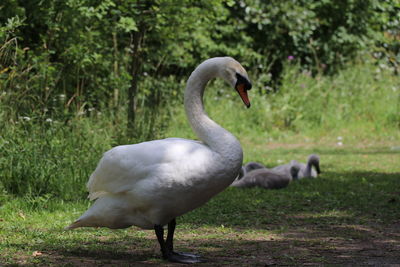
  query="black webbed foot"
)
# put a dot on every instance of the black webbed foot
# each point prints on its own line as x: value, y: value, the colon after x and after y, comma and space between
x: 167, y: 247
x: 189, y: 255
x: 184, y: 258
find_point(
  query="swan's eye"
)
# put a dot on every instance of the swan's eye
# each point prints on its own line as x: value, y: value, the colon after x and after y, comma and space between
x: 241, y: 80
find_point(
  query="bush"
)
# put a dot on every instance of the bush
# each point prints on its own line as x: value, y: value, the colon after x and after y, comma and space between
x: 321, y: 35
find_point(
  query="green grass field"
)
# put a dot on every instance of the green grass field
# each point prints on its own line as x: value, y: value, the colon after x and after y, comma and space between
x: 350, y: 215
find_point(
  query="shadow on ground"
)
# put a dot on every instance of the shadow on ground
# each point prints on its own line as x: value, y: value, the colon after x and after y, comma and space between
x: 315, y: 244
x: 356, y: 197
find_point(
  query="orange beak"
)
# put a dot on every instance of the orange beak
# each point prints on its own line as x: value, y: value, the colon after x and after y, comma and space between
x: 240, y: 88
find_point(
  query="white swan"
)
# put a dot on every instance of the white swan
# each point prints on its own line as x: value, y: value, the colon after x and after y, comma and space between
x: 151, y: 183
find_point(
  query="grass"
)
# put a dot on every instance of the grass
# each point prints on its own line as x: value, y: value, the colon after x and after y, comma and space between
x: 349, y: 215
x: 354, y: 204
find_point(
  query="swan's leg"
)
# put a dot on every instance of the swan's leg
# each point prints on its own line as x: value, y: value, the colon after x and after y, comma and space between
x: 167, y: 248
x: 170, y: 237
x: 170, y: 242
x: 160, y: 237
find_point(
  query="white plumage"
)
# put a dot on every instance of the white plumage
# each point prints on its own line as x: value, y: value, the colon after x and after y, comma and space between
x: 158, y: 181
x: 151, y: 183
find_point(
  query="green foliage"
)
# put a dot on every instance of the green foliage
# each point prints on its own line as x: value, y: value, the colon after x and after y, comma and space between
x: 41, y: 155
x: 320, y: 35
x: 388, y: 44
x: 62, y: 63
x: 361, y: 94
x: 83, y: 50
x: 48, y: 158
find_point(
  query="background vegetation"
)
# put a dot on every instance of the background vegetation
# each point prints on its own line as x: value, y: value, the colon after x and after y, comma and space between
x: 78, y: 77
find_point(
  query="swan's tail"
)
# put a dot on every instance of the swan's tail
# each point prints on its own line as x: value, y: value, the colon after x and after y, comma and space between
x: 96, y: 195
x: 88, y: 219
x: 91, y: 219
x: 107, y: 211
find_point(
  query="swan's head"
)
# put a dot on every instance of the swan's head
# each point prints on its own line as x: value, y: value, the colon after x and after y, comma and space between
x: 237, y: 77
x: 313, y: 160
x: 294, y: 172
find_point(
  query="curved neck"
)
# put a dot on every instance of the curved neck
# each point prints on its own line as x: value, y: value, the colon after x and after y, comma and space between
x: 207, y: 130
x: 307, y: 172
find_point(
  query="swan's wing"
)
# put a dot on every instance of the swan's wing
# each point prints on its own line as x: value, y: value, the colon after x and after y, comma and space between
x: 265, y: 178
x: 270, y: 179
x: 122, y: 167
x: 282, y: 168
